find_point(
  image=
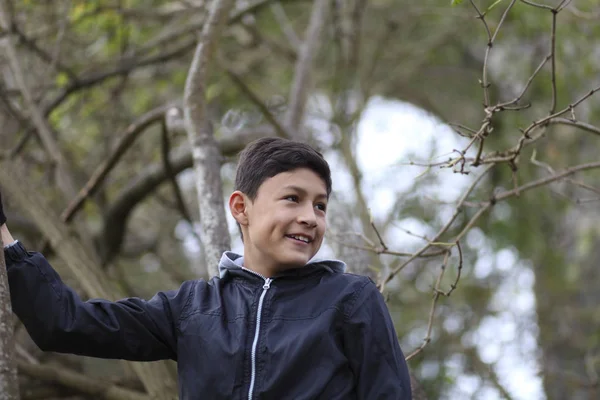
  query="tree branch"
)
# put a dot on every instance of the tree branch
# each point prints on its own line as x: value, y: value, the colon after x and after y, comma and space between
x: 147, y: 180
x: 98, y: 388
x: 237, y: 80
x: 577, y: 124
x: 64, y: 180
x: 101, y: 172
x: 207, y: 158
x: 172, y: 177
x: 300, y: 86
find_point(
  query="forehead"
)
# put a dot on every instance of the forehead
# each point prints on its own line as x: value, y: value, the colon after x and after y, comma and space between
x: 302, y: 178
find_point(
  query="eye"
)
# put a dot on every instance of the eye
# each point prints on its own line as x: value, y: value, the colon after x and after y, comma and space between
x: 322, y: 206
x: 292, y: 197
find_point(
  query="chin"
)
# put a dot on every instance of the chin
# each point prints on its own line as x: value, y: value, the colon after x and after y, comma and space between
x: 296, y: 262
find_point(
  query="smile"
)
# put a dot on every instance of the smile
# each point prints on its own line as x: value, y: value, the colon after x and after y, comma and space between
x: 299, y: 238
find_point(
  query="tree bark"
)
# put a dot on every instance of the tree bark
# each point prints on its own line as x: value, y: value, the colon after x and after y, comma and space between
x: 9, y: 388
x: 205, y: 151
x: 304, y: 66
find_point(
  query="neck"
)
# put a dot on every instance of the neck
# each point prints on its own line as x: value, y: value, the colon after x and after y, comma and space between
x: 258, y: 268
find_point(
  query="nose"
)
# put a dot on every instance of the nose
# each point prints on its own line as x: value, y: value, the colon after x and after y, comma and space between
x: 307, y: 216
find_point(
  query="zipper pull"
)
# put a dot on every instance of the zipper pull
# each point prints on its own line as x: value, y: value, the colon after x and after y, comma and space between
x: 267, y: 284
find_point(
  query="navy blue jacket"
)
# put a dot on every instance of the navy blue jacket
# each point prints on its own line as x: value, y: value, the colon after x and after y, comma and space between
x: 308, y: 333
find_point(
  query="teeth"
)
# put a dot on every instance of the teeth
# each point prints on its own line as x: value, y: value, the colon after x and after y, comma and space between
x: 302, y: 238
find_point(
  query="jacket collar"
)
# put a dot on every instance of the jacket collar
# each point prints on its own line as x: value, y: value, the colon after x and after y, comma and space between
x: 233, y: 262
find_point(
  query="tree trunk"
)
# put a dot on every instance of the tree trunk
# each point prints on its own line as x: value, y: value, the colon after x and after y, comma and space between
x: 206, y: 154
x: 567, y: 298
x: 9, y: 388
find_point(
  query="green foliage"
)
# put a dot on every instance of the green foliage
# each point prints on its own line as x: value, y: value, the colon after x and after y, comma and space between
x: 411, y: 51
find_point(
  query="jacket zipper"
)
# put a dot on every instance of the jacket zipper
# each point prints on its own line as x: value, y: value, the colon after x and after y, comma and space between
x: 266, y: 286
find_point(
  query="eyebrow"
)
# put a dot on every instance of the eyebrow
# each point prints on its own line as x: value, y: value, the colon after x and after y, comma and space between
x: 303, y: 192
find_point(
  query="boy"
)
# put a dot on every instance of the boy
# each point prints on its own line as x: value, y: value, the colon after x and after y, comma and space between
x: 272, y: 325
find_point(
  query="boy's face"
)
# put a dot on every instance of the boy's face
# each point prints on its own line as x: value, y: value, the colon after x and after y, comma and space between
x: 284, y: 226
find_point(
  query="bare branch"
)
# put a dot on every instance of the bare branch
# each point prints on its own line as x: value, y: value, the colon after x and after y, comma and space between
x: 436, y: 295
x: 383, y: 245
x: 485, y: 206
x: 300, y: 86
x: 237, y: 80
x: 172, y: 176
x: 553, y: 62
x: 544, y: 121
x: 482, y: 18
x: 147, y: 180
x: 379, y: 250
x: 527, y: 84
x: 443, y: 230
x: 544, y: 181
x: 285, y: 25
x: 577, y: 124
x: 63, y: 178
x: 531, y: 3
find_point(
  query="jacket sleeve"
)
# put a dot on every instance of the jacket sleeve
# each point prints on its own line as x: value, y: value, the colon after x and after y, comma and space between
x: 58, y: 320
x: 372, y: 348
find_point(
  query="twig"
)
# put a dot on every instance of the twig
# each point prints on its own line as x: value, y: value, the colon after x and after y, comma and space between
x: 64, y: 179
x: 502, y: 19
x: 454, y: 285
x: 527, y: 84
x: 544, y: 121
x: 570, y: 180
x: 378, y: 250
x: 543, y: 181
x: 443, y: 230
x: 381, y: 242
x: 437, y: 292
x: 531, y: 3
x: 553, y: 61
x: 485, y: 206
x: 490, y: 44
x: 237, y: 80
x: 482, y: 18
x: 581, y: 125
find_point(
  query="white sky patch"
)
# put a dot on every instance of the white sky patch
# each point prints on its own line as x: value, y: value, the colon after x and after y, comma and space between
x: 390, y: 135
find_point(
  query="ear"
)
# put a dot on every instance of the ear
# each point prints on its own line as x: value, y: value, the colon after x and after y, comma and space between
x: 238, y: 206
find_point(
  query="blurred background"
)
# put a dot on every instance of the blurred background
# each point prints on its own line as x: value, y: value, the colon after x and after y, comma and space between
x: 393, y: 94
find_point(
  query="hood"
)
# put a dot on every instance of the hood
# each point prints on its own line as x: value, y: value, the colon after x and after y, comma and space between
x: 231, y: 261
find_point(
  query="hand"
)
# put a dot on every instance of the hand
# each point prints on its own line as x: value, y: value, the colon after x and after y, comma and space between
x: 2, y: 216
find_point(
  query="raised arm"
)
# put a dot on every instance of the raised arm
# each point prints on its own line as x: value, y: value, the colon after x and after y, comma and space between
x: 371, y: 345
x: 58, y: 320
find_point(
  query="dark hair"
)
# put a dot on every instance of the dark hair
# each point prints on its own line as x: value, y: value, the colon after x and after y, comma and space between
x: 267, y: 157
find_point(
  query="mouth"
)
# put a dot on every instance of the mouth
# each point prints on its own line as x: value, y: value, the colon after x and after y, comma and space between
x: 300, y: 238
